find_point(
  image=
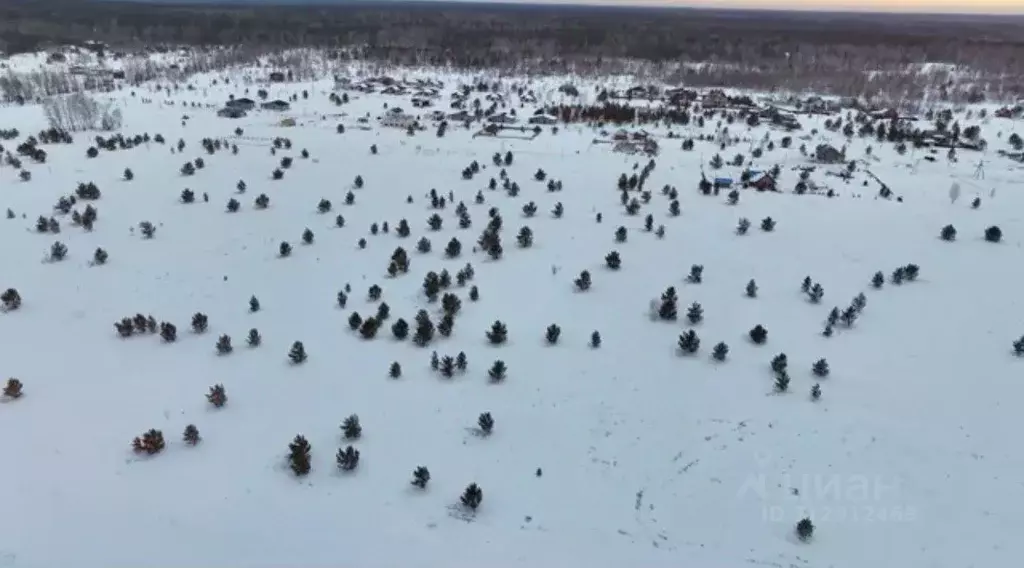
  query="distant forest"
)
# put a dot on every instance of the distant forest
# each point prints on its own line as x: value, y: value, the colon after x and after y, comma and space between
x: 827, y: 52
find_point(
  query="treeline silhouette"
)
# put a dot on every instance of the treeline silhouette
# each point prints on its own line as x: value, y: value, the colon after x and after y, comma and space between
x: 800, y: 50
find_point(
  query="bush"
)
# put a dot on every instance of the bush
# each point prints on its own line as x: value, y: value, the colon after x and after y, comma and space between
x: 720, y: 352
x: 420, y: 477
x: 152, y: 442
x: 552, y: 334
x: 299, y: 456
x: 805, y: 529
x: 498, y: 333
x: 758, y: 334
x: 351, y: 428
x: 993, y: 234
x: 485, y: 423
x: 688, y: 342
x: 948, y: 233
x: 217, y: 396
x: 473, y: 495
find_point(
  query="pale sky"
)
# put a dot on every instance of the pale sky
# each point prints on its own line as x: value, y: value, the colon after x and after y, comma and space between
x: 1015, y: 7
x: 931, y: 6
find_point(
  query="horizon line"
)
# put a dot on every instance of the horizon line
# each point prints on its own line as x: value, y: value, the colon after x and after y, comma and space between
x: 604, y: 4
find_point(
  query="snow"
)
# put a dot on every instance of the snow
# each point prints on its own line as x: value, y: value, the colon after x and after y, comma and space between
x: 649, y: 458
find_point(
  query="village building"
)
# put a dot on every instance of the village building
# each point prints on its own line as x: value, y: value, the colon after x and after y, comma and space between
x: 276, y: 105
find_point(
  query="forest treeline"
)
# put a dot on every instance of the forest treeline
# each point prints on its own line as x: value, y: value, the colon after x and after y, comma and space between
x: 799, y: 50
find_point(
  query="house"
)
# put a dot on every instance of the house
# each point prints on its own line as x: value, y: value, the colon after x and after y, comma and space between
x: 626, y: 147
x: 543, y: 119
x: 501, y: 119
x: 827, y: 154
x: 231, y: 112
x: 277, y: 77
x: 763, y: 183
x: 241, y: 104
x: 397, y: 120
x: 277, y: 105
x: 715, y: 98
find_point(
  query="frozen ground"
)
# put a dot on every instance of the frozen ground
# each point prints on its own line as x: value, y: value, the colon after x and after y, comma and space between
x: 649, y: 458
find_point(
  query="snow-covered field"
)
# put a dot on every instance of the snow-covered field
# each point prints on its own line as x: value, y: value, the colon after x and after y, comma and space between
x: 630, y: 454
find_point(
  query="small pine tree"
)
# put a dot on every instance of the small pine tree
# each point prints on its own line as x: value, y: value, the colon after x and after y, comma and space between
x: 498, y: 333
x: 688, y: 342
x: 696, y: 275
x: 200, y: 322
x: 395, y: 370
x: 420, y: 477
x: 820, y: 368
x: 13, y: 389
x: 473, y: 495
x: 347, y: 458
x: 254, y: 339
x: 767, y: 224
x: 759, y: 334
x: 948, y: 233
x: 612, y: 260
x: 224, y: 345
x: 307, y: 237
x: 911, y: 272
x: 780, y: 363
x: 284, y: 249
x: 816, y: 392
x: 583, y: 281
x: 695, y: 313
x: 878, y: 280
x: 595, y: 340
x: 497, y: 371
x: 351, y: 428
x: 486, y: 423
x: 720, y: 352
x: 993, y: 234
x: 805, y: 529
x: 299, y: 456
x: 552, y: 334
x: 354, y: 321
x: 751, y: 289
x: 805, y: 286
x: 218, y: 397
x: 742, y: 226
x: 447, y: 367
x: 782, y: 381
x: 1018, y: 347
x: 816, y: 293
x: 400, y: 329
x: 254, y: 304
x: 191, y: 435
x: 297, y: 353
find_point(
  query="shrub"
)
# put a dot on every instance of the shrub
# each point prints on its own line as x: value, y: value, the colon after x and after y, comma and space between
x: 420, y: 477
x: 498, y: 333
x: 297, y: 353
x: 191, y: 435
x: 688, y: 342
x: 552, y: 334
x: 805, y: 529
x: 758, y: 334
x: 948, y: 233
x: 473, y: 495
x: 993, y: 234
x: 486, y: 423
x: 351, y: 428
x: 217, y: 396
x: 299, y: 456
x: 820, y: 368
x: 151, y: 442
x: 720, y: 352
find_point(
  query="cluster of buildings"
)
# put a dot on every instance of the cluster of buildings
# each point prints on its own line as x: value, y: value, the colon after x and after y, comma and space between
x: 238, y: 108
